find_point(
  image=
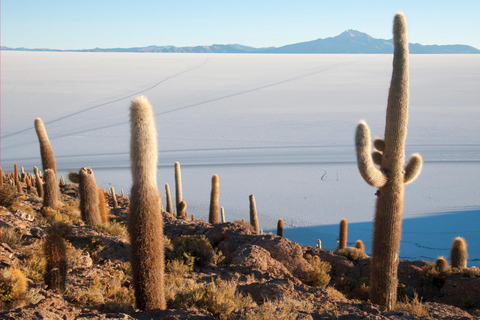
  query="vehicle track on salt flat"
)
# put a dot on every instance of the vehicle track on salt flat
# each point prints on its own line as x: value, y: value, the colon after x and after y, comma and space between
x: 113, y: 101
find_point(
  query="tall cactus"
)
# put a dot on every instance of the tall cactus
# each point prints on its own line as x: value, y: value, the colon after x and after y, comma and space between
x: 46, y: 151
x: 145, y: 221
x: 178, y: 188
x: 213, y: 216
x: 38, y: 182
x: 392, y: 175
x: 280, y: 228
x: 89, y: 198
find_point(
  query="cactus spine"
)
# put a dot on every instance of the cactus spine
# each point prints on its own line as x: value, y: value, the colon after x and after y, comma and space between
x: 392, y: 175
x: 178, y: 188
x: 253, y: 215
x: 89, y: 198
x: 145, y: 221
x: 343, y: 234
x: 280, y: 228
x: 55, y: 253
x: 51, y: 192
x: 458, y: 253
x: 214, y: 206
x: 46, y: 151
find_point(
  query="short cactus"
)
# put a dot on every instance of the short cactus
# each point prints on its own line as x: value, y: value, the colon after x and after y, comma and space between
x: 222, y: 214
x: 359, y: 245
x: 114, y: 198
x: 55, y: 252
x: 458, y: 253
x: 102, y: 205
x: 392, y: 175
x: 169, y: 199
x: 441, y: 264
x: 46, y: 151
x: 214, y: 206
x: 253, y: 215
x: 280, y: 228
x: 343, y: 234
x: 145, y: 221
x: 89, y: 198
x: 178, y: 188
x: 38, y: 182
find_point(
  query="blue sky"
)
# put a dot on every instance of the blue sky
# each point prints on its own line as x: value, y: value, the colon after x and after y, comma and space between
x: 86, y: 24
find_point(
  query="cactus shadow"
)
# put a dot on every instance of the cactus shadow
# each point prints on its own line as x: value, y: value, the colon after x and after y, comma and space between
x: 423, y: 238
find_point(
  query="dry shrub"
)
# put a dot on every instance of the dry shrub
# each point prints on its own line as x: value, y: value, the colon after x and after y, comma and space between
x: 286, y: 308
x: 245, y: 224
x: 196, y: 246
x: 472, y: 272
x: 113, y: 228
x: 13, y: 287
x: 7, y: 195
x: 221, y: 298
x: 35, y: 264
x: 430, y: 275
x: 108, y: 293
x: 354, y: 288
x: 10, y: 236
x: 178, y: 267
x: 412, y: 306
x: 319, y: 276
x: 353, y: 254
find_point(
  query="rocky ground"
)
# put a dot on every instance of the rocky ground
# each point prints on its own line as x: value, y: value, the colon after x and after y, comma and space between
x: 220, y: 271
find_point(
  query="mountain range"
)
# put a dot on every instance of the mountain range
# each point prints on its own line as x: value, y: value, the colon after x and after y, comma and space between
x: 350, y: 41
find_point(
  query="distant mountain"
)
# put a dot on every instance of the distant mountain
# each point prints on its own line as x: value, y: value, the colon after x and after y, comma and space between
x: 350, y: 41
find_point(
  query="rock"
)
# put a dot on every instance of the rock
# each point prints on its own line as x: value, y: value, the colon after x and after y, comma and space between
x: 24, y: 215
x: 38, y: 233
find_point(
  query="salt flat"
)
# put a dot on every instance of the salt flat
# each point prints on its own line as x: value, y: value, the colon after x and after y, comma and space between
x: 277, y: 126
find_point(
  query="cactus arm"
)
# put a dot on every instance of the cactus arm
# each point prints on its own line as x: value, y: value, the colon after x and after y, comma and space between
x: 377, y: 157
x: 369, y: 172
x: 379, y: 144
x: 413, y: 168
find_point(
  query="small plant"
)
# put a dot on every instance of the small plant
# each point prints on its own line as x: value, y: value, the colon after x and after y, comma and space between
x: 412, y: 306
x: 13, y: 286
x: 354, y: 288
x: 35, y: 265
x: 433, y: 275
x: 319, y: 276
x: 353, y: 254
x: 441, y: 265
x: 359, y: 245
x: 10, y: 236
x: 196, y: 246
x: 113, y: 228
x: 7, y: 195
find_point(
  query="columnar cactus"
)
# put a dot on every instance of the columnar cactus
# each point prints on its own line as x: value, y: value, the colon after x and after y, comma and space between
x: 89, y: 198
x: 253, y: 215
x: 51, y: 191
x: 145, y: 221
x: 183, y: 207
x: 214, y: 195
x: 342, y: 237
x: 114, y: 197
x: 55, y: 252
x: 38, y: 182
x: 1, y: 178
x: 46, y: 151
x: 102, y: 205
x: 458, y: 253
x: 280, y: 228
x: 178, y: 188
x: 222, y: 214
x: 392, y: 175
x: 169, y: 199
